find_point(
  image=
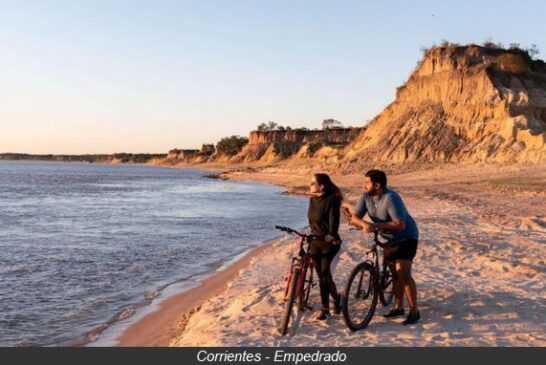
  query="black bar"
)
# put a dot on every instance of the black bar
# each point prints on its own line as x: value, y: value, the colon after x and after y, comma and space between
x: 267, y: 355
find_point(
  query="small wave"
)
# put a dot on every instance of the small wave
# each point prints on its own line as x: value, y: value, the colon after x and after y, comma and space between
x: 124, y: 314
x: 95, y: 332
x: 155, y: 293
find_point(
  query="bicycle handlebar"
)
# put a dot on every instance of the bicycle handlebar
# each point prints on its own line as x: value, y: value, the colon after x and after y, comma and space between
x: 302, y: 235
x: 375, y: 238
x: 289, y: 230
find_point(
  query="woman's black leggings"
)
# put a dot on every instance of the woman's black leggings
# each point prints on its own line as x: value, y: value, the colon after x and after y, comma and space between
x: 323, y: 253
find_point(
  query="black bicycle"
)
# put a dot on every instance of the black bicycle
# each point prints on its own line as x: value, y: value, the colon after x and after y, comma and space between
x: 368, y: 282
x: 299, y: 280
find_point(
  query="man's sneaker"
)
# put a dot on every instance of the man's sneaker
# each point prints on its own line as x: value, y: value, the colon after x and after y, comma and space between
x: 323, y: 315
x: 412, y: 318
x: 394, y: 313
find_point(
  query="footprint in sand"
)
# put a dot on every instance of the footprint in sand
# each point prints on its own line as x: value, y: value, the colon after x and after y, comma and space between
x: 429, y: 326
x: 442, y: 337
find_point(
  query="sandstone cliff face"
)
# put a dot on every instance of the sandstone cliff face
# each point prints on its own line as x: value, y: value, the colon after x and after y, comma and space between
x: 177, y: 156
x: 463, y: 104
x: 270, y: 146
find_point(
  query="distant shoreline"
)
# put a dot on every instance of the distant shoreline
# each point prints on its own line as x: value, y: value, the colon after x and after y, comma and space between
x: 89, y: 158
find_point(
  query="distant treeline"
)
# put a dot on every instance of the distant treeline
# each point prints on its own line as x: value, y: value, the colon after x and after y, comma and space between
x: 116, y: 157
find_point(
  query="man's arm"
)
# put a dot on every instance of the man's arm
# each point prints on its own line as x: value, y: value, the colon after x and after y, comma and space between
x: 397, y: 212
x: 355, y: 215
x: 359, y: 222
x: 394, y: 225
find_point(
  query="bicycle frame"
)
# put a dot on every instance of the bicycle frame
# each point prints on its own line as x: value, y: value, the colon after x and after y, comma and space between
x: 302, y: 263
x: 381, y: 270
x: 296, y: 280
x: 374, y: 261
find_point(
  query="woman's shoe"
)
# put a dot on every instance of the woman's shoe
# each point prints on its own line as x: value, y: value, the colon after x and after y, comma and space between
x: 337, y: 305
x: 323, y: 315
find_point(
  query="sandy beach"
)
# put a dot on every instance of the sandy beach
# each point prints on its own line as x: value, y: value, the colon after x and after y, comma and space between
x: 480, y: 270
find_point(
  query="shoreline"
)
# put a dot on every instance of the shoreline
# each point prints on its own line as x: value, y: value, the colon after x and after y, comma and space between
x: 160, y: 327
x: 164, y: 324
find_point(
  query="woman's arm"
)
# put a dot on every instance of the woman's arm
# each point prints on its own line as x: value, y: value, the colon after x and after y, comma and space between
x: 333, y: 219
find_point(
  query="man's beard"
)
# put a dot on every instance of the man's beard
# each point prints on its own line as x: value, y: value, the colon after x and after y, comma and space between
x: 371, y: 192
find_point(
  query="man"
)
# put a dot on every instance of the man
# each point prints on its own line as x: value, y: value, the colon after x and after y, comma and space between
x: 393, y: 223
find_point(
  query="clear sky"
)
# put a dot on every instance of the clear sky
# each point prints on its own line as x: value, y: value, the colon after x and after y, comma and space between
x: 105, y: 76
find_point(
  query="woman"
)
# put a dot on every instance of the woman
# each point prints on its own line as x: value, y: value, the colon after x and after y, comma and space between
x: 323, y: 215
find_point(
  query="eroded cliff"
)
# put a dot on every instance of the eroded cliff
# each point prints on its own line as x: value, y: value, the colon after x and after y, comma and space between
x: 463, y: 103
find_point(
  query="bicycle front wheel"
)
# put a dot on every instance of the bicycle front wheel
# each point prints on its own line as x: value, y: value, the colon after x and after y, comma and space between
x: 307, y: 286
x: 360, y: 297
x: 293, y: 285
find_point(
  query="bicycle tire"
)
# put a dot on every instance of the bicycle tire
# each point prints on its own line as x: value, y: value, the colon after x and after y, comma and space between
x: 357, y: 312
x: 386, y: 295
x: 307, y: 286
x: 294, y: 279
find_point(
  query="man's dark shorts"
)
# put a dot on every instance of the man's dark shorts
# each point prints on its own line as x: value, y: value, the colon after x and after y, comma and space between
x: 405, y: 250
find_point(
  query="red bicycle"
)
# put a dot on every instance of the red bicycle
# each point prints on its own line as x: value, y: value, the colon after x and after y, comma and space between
x: 299, y: 280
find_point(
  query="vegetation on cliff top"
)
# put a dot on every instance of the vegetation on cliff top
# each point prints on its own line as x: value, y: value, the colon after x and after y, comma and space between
x: 230, y: 146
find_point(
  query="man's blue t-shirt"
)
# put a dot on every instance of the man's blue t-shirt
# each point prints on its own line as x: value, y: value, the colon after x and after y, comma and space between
x: 387, y: 209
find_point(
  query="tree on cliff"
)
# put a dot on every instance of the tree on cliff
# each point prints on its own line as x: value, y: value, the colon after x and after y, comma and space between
x: 270, y: 126
x: 207, y: 149
x: 231, y: 145
x: 331, y: 123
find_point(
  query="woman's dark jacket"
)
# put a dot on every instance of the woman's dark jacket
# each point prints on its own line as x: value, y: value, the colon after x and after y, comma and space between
x: 324, y: 214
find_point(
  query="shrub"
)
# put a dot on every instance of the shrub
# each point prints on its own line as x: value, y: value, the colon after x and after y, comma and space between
x: 231, y: 145
x: 270, y: 126
x: 331, y: 123
x: 207, y: 149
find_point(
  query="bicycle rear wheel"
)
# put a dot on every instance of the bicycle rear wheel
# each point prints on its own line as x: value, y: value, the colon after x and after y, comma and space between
x: 387, y: 286
x: 293, y: 284
x: 360, y: 297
